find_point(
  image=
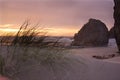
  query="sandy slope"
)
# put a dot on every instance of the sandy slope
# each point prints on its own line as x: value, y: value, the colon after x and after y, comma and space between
x: 107, y: 69
x: 79, y: 65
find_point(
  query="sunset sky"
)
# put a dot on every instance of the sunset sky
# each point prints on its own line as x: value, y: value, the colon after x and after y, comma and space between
x: 61, y: 17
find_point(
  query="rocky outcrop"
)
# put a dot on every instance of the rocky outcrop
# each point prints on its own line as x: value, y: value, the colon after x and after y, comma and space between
x: 117, y: 22
x: 112, y: 32
x: 94, y: 33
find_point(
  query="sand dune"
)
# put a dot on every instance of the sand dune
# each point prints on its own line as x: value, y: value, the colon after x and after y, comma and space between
x: 78, y: 65
x: 106, y: 69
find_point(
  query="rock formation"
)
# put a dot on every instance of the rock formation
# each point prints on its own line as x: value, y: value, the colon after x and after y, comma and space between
x: 111, y: 32
x: 94, y: 33
x: 117, y: 22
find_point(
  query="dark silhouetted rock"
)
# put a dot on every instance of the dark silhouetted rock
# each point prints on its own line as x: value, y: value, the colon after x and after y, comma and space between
x: 94, y: 33
x: 117, y: 22
x: 111, y: 33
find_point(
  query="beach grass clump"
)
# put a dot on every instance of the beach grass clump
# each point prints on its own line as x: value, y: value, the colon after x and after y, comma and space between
x: 27, y: 46
x: 28, y: 35
x: 22, y: 56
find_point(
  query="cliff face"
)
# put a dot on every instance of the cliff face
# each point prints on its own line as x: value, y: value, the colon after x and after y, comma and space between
x: 117, y: 22
x: 93, y: 33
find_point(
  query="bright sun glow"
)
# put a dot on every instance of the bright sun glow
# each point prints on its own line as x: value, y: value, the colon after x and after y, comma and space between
x: 8, y: 29
x: 51, y: 32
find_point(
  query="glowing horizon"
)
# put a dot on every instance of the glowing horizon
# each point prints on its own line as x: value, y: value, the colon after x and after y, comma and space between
x: 50, y: 31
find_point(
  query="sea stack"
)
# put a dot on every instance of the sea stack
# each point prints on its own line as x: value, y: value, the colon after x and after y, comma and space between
x: 93, y: 33
x: 117, y: 22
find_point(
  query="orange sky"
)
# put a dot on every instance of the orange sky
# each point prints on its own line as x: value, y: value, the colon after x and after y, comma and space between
x: 8, y: 29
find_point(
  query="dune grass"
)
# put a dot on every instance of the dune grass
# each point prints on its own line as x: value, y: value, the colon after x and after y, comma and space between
x: 27, y: 46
